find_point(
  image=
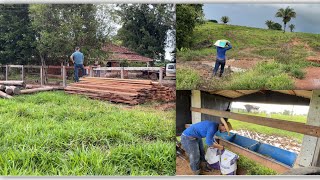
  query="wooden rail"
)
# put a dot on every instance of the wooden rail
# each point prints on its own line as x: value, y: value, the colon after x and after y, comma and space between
x: 270, y: 122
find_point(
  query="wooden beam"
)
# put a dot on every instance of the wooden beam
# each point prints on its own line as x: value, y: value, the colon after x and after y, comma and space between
x: 270, y: 122
x: 64, y: 74
x: 263, y: 160
x: 160, y: 75
x: 22, y: 73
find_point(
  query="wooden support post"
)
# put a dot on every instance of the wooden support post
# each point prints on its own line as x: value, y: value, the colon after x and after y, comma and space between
x: 7, y: 72
x: 310, y: 149
x: 64, y: 75
x: 41, y: 75
x: 91, y: 71
x: 160, y: 75
x: 61, y: 69
x: 195, y: 102
x: 270, y: 122
x: 22, y: 73
x: 122, y: 73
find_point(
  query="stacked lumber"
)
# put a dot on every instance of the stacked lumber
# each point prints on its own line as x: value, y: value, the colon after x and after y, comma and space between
x: 127, y: 91
x: 9, y: 88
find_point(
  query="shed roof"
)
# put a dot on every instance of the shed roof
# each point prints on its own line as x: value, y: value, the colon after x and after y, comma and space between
x: 119, y: 53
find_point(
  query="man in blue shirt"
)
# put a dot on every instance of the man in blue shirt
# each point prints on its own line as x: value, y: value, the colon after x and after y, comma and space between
x: 221, y: 58
x: 77, y: 58
x: 191, y: 140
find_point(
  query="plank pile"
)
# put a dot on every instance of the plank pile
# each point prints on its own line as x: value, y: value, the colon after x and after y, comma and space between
x: 9, y: 88
x: 127, y: 91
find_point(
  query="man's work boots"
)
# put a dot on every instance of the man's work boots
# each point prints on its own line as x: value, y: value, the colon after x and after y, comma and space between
x: 197, y: 172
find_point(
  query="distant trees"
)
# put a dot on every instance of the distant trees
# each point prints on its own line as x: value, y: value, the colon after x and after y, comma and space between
x: 213, y: 20
x: 225, y: 19
x: 292, y: 26
x: 286, y: 15
x: 272, y: 25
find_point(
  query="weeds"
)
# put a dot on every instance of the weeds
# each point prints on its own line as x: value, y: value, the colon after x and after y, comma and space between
x: 187, y: 78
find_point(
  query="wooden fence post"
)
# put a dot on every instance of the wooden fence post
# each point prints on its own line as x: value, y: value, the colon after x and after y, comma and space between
x: 122, y: 73
x: 41, y: 75
x: 22, y: 72
x: 7, y: 72
x: 160, y: 75
x: 91, y: 71
x: 64, y: 76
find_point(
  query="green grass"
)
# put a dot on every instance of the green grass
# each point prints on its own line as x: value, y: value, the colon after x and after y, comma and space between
x: 253, y: 168
x: 237, y: 125
x: 287, y: 52
x: 188, y: 78
x: 54, y: 133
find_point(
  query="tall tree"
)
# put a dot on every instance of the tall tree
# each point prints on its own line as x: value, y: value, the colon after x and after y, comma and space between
x: 225, y: 19
x: 292, y: 26
x: 145, y: 26
x: 188, y: 15
x: 286, y: 15
x: 16, y: 35
x: 59, y: 28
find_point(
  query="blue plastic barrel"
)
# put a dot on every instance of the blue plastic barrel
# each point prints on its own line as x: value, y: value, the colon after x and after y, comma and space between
x: 281, y: 155
x: 246, y: 142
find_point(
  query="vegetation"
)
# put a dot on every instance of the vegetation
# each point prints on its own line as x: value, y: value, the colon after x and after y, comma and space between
x: 286, y: 15
x: 188, y: 15
x: 225, y: 19
x: 152, y: 22
x: 16, y: 35
x: 281, y: 56
x: 237, y: 125
x: 292, y: 27
x: 188, y: 78
x: 253, y: 168
x: 57, y: 134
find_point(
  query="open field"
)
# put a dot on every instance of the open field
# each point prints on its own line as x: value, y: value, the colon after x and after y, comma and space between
x: 259, y: 59
x: 54, y: 133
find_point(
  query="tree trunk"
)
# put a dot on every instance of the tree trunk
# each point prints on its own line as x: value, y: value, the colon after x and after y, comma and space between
x: 13, y: 83
x: 12, y: 90
x: 284, y: 27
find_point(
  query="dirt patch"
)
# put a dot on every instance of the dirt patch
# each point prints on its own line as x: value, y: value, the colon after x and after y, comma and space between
x: 166, y: 106
x: 183, y: 168
x: 311, y: 80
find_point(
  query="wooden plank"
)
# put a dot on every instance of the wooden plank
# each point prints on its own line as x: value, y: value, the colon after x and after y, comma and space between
x: 270, y: 122
x: 40, y: 89
x: 263, y: 160
x: 16, y: 66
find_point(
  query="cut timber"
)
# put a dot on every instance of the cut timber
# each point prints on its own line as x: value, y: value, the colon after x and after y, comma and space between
x: 127, y: 91
x: 29, y: 91
x: 2, y: 87
x: 13, y: 83
x: 4, y: 95
x: 270, y: 122
x: 12, y: 90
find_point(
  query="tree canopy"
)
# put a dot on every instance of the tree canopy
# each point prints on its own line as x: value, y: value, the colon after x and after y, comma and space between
x: 145, y: 27
x: 286, y: 15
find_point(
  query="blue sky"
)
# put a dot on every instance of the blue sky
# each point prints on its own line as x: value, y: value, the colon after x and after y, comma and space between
x: 255, y: 15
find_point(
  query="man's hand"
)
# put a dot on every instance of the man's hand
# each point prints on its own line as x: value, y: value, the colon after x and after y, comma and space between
x: 216, y: 145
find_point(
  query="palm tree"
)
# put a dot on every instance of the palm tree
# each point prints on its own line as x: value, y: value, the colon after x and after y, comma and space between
x: 269, y: 23
x: 225, y: 19
x: 292, y: 26
x: 286, y: 15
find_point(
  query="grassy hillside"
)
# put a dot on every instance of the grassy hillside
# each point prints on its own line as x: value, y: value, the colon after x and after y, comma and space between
x: 285, y: 51
x: 57, y: 134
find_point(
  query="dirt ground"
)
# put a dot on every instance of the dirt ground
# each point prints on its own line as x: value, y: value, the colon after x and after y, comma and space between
x: 311, y: 80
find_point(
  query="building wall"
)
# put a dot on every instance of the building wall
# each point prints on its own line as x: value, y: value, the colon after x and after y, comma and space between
x: 183, y: 113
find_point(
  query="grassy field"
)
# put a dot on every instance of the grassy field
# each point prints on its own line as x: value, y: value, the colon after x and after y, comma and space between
x: 281, y: 56
x: 54, y: 133
x: 237, y: 125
